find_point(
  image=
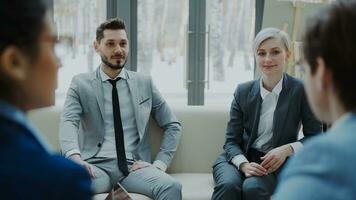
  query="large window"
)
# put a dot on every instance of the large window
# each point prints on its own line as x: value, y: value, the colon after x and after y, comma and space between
x: 163, y: 34
x: 161, y: 51
x: 76, y: 22
x: 197, y: 51
x: 230, y: 29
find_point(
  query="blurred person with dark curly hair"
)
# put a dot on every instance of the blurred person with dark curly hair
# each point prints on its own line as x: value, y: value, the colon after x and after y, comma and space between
x: 325, y: 169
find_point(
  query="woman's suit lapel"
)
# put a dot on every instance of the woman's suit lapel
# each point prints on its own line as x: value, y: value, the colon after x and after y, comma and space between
x: 254, y: 108
x: 281, y: 112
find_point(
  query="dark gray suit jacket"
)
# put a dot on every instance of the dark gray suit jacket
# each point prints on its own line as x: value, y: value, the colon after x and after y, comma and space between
x: 292, y: 110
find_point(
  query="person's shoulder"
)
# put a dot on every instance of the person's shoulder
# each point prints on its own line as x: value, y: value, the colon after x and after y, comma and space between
x: 325, y: 163
x: 143, y: 81
x: 294, y: 82
x: 138, y: 75
x: 82, y: 80
x: 336, y: 139
x: 84, y: 76
x: 246, y: 86
x: 322, y: 145
x: 331, y: 153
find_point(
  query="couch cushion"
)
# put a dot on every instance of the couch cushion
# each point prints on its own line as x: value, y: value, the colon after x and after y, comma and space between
x: 195, y: 186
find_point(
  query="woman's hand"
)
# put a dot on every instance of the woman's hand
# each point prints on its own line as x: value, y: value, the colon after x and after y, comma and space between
x: 276, y: 157
x: 252, y: 169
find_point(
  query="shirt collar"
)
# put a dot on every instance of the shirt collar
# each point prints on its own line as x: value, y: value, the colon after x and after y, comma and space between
x: 276, y: 90
x: 340, y: 121
x: 105, y: 77
x: 12, y: 113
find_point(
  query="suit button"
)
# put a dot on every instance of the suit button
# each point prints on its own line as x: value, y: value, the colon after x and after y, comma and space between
x: 99, y: 145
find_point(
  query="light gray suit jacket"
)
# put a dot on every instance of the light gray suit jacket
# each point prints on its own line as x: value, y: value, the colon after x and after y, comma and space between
x: 82, y: 123
x: 325, y: 168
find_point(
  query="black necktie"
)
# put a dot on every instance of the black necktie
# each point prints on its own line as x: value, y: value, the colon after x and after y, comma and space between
x: 119, y: 133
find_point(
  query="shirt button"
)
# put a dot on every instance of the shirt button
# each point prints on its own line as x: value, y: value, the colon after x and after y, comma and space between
x: 99, y: 145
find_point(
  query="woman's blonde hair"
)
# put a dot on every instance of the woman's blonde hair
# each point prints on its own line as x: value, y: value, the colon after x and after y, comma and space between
x: 268, y: 33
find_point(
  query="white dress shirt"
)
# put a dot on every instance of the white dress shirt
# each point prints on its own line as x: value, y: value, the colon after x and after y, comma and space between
x: 131, y: 137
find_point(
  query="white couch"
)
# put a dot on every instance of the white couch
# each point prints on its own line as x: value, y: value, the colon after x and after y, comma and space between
x: 201, y: 143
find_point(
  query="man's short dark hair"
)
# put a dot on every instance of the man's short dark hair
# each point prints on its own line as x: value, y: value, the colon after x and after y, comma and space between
x: 111, y: 24
x: 21, y: 22
x: 331, y: 35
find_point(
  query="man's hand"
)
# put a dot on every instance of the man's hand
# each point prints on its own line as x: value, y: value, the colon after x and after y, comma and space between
x: 252, y: 169
x: 140, y: 164
x: 121, y: 194
x: 118, y: 194
x: 76, y: 158
x: 276, y: 157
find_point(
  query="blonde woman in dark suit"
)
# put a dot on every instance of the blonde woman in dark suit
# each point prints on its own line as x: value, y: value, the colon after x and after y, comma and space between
x: 265, y: 119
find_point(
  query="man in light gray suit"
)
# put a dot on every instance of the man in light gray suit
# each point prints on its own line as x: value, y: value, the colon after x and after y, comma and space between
x: 104, y: 125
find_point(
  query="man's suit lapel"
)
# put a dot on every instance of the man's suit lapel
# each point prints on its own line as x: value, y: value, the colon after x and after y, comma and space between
x: 98, y: 90
x: 281, y: 111
x: 133, y: 87
x: 254, y: 108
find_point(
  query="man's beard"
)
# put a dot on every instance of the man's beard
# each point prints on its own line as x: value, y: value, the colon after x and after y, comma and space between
x: 104, y: 59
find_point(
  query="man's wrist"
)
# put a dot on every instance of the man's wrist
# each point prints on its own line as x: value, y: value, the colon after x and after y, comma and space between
x: 71, y: 152
x: 160, y: 165
x: 75, y: 156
